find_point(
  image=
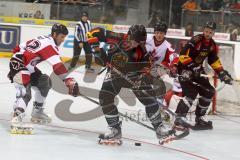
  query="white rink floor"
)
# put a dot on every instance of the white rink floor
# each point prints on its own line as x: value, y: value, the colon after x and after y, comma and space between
x: 76, y: 139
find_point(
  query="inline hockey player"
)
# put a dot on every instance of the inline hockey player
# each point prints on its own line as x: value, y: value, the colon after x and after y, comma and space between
x: 25, y: 75
x: 126, y: 54
x: 190, y: 68
x: 162, y: 55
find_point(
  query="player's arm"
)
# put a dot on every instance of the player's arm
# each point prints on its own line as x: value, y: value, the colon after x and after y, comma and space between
x: 104, y: 44
x: 59, y: 69
x: 215, y: 63
x: 95, y: 37
x: 170, y: 59
x: 184, y: 57
x: 173, y: 59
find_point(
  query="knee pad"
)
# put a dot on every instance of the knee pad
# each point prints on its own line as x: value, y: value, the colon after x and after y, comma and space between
x: 188, y: 101
x: 22, y: 77
x: 44, y: 84
x: 210, y: 93
x: 23, y: 94
x: 204, y: 101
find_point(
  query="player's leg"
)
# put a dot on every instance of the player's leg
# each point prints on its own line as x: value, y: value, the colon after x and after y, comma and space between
x: 206, y: 92
x: 190, y: 92
x: 22, y: 84
x: 110, y: 88
x: 152, y: 108
x: 76, y: 54
x: 41, y: 83
x: 88, y: 55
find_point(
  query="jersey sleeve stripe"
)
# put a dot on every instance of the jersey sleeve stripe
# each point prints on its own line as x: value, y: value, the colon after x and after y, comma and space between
x: 54, y: 59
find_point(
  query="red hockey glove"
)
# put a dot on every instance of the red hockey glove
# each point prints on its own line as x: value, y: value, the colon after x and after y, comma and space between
x: 72, y: 85
x: 173, y: 71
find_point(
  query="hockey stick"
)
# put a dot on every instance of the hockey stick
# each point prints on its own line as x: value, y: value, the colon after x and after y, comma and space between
x: 5, y: 83
x: 121, y: 114
x: 211, y: 76
x: 102, y: 71
x: 178, y: 136
x: 135, y: 85
x: 235, y: 84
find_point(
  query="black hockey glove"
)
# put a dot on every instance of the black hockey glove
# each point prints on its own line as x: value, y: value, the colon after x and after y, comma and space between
x: 225, y: 77
x: 196, y: 69
x: 186, y: 75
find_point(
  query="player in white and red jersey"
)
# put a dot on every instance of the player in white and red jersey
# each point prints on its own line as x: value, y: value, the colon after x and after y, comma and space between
x: 25, y: 75
x: 159, y: 47
x: 162, y: 52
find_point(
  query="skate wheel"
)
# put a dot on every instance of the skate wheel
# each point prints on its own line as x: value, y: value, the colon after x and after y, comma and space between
x: 39, y: 121
x: 109, y: 142
x: 120, y: 142
x: 100, y: 141
x: 161, y: 142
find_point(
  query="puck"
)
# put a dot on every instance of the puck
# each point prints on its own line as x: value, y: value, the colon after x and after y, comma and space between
x: 138, y: 144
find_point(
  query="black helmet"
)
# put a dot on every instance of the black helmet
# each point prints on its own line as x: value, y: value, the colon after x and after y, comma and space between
x: 161, y: 26
x: 59, y: 28
x: 84, y: 14
x: 210, y: 24
x: 137, y: 32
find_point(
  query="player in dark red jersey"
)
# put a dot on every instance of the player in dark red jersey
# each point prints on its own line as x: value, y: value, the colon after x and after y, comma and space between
x: 190, y: 68
x: 127, y: 60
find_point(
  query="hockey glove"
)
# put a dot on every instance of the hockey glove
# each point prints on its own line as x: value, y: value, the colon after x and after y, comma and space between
x: 186, y: 75
x: 72, y: 85
x: 173, y: 71
x: 195, y: 68
x: 225, y: 77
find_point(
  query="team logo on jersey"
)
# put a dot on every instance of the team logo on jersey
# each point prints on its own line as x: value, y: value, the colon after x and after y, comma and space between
x: 33, y: 45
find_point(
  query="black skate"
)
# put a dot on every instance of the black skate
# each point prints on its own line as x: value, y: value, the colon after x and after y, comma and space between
x: 202, y: 124
x: 181, y: 123
x: 112, y: 138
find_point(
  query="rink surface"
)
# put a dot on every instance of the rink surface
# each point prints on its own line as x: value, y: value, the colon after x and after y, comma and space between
x: 73, y: 137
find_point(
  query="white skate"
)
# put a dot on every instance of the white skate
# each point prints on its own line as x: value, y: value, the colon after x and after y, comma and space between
x: 39, y: 116
x: 17, y: 124
x: 113, y: 137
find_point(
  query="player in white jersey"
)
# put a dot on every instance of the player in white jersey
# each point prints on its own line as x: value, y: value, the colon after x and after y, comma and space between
x: 162, y: 53
x: 166, y: 56
x: 25, y: 75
